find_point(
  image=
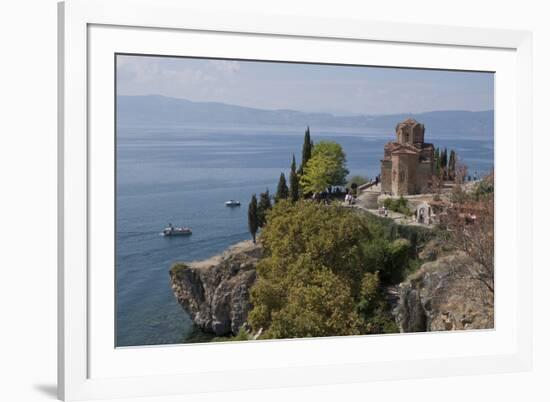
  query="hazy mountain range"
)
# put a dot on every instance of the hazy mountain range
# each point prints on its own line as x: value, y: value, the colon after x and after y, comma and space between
x: 153, y: 110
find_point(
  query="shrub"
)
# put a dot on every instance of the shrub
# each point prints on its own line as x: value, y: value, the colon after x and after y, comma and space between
x: 374, y: 308
x: 382, y: 323
x: 242, y: 335
x: 398, y: 205
x: 484, y: 189
x: 458, y: 195
x: 397, y: 260
x: 323, y: 271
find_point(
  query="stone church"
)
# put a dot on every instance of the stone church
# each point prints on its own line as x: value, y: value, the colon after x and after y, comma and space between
x: 408, y: 163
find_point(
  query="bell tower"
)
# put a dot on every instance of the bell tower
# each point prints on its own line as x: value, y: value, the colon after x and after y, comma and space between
x: 410, y: 132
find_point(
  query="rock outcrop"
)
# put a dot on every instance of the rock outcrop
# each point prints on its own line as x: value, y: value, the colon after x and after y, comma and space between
x: 215, y: 292
x: 442, y: 295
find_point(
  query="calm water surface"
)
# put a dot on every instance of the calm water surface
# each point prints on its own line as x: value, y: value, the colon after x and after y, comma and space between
x: 183, y: 175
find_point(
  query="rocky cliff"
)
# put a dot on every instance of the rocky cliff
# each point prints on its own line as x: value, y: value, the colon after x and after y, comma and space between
x: 442, y: 295
x: 215, y: 292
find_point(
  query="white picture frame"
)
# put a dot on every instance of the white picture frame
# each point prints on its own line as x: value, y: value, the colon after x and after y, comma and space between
x: 92, y: 31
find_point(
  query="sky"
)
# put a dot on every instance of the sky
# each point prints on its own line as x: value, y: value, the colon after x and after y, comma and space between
x: 305, y: 87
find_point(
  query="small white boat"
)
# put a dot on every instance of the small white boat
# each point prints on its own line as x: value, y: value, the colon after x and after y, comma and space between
x: 176, y: 231
x: 232, y: 203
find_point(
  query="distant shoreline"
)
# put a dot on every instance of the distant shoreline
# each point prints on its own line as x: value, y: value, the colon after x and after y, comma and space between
x: 160, y: 110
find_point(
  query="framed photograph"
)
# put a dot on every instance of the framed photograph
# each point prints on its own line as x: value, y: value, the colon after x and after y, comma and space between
x: 255, y: 201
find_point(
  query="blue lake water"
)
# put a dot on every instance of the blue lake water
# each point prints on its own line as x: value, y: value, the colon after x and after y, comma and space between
x: 183, y: 175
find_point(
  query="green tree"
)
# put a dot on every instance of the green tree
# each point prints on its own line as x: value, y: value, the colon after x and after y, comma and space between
x: 294, y: 183
x: 253, y: 224
x: 333, y: 151
x: 306, y: 151
x: 323, y: 273
x: 389, y: 259
x: 282, y: 189
x: 357, y: 180
x: 318, y: 174
x: 310, y: 280
x: 320, y: 306
x: 264, y: 205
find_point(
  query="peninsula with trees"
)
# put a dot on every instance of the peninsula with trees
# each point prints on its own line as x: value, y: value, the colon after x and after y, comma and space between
x: 333, y: 254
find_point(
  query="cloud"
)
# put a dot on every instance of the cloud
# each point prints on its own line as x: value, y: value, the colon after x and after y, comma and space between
x: 303, y: 87
x: 187, y: 76
x: 148, y: 69
x: 138, y: 75
x: 226, y: 66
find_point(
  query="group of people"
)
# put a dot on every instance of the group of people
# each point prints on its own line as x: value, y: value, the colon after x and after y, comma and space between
x: 383, y: 211
x: 349, y: 199
x: 323, y: 197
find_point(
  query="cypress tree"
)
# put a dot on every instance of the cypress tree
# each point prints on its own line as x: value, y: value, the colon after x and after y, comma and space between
x: 306, y: 150
x: 437, y: 162
x: 444, y: 163
x: 282, y: 189
x: 253, y: 223
x: 294, y: 183
x: 452, y: 165
x: 444, y: 159
x: 264, y: 205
